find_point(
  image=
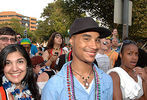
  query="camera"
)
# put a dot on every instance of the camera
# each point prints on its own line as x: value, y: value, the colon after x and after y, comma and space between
x: 56, y: 53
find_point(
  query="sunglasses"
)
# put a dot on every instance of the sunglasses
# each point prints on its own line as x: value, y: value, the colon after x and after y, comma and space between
x: 105, y: 43
x: 129, y: 42
x: 18, y: 37
x: 6, y: 39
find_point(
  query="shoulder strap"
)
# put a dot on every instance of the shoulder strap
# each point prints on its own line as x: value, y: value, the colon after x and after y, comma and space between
x: 61, y: 51
x: 3, y: 94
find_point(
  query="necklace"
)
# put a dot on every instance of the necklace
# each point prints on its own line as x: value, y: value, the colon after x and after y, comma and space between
x: 68, y: 56
x: 56, y: 48
x: 86, y: 83
x: 25, y: 94
x: 70, y: 83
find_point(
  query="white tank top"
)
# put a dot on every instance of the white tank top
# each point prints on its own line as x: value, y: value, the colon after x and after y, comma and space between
x: 130, y: 88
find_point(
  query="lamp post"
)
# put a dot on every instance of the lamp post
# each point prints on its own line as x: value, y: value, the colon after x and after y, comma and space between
x: 25, y: 31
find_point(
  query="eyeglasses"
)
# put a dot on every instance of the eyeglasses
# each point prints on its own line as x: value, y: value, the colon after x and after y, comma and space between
x: 6, y: 39
x: 128, y: 42
x: 105, y: 43
x: 27, y: 48
x: 18, y: 37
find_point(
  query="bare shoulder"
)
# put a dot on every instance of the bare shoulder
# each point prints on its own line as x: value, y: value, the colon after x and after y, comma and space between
x: 117, y: 94
x: 115, y: 76
x: 43, y: 77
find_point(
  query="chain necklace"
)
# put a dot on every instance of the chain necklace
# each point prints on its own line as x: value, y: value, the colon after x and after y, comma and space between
x: 86, y: 83
x: 70, y: 83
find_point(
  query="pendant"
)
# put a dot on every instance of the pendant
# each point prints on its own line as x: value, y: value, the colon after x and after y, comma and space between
x: 86, y: 84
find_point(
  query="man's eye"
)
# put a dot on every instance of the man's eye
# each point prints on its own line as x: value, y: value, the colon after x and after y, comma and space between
x: 4, y: 38
x: 97, y: 40
x: 86, y: 38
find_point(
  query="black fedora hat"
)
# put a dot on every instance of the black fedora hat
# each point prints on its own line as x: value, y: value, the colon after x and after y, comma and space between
x: 86, y: 24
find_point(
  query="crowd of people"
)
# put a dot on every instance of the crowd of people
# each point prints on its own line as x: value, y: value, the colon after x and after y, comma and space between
x: 96, y: 66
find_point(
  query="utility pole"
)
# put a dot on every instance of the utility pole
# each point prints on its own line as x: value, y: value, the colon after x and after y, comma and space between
x: 125, y: 18
x: 123, y: 15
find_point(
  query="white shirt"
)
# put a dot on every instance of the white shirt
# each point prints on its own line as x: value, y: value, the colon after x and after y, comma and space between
x: 131, y: 89
x: 103, y: 61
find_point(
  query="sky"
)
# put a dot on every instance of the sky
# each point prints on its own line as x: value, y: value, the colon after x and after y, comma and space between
x: 30, y: 8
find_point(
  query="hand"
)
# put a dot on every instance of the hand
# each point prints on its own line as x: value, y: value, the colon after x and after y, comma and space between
x: 141, y: 72
x: 53, y: 58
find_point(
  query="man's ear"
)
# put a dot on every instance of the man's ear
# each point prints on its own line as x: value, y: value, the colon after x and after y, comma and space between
x: 71, y: 40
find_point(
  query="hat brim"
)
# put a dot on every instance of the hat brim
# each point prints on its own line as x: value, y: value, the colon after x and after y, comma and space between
x: 104, y: 32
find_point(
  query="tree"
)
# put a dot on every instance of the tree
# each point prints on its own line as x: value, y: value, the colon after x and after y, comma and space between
x: 60, y: 14
x: 55, y: 19
x: 15, y: 25
x: 104, y: 11
x: 139, y: 26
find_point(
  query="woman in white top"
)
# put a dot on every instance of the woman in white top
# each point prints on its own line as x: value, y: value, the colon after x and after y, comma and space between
x: 129, y: 81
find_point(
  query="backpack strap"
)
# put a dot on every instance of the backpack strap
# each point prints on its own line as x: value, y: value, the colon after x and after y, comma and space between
x: 3, y: 93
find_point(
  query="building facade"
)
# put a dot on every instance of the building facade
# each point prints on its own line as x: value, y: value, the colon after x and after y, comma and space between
x: 29, y: 22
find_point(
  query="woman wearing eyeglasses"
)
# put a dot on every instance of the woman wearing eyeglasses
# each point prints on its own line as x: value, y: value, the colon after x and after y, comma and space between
x: 17, y: 80
x: 129, y: 81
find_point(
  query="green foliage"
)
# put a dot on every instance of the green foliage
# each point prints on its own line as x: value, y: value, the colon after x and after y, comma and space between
x: 55, y: 19
x: 60, y: 14
x: 138, y: 29
x: 104, y: 11
x: 14, y: 24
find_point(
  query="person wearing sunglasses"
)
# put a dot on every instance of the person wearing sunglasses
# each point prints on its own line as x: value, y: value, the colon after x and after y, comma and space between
x: 26, y: 43
x: 18, y: 36
x: 102, y: 59
x: 7, y: 36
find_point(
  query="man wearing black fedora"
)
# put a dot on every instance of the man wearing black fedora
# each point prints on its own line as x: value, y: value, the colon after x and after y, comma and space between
x: 81, y: 79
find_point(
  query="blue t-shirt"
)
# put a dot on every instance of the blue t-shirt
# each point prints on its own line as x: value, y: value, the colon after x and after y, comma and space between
x: 34, y: 49
x: 56, y: 87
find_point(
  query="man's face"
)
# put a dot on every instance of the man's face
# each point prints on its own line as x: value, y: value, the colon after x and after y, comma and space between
x: 108, y: 43
x: 27, y: 47
x: 5, y: 40
x: 85, y: 46
x: 103, y: 44
x: 18, y: 38
x: 115, y: 42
